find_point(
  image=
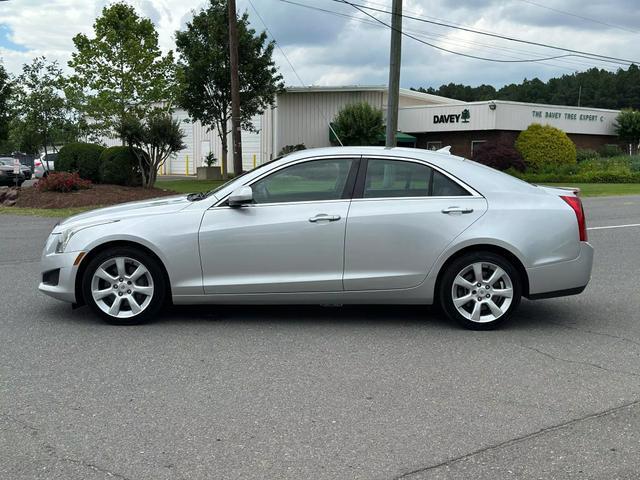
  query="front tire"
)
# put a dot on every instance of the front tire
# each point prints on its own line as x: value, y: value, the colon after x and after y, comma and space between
x: 124, y: 286
x: 480, y: 290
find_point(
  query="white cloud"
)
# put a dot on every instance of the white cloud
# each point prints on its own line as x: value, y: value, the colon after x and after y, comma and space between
x: 327, y: 49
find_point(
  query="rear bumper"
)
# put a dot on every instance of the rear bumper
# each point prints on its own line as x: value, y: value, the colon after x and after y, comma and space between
x: 563, y: 278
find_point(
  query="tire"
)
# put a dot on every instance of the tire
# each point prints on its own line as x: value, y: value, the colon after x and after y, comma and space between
x: 135, y: 299
x: 492, y: 304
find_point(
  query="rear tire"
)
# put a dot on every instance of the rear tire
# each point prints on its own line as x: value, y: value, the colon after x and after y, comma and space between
x: 124, y: 286
x: 480, y: 290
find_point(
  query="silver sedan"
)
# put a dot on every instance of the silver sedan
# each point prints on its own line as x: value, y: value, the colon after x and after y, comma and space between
x: 357, y: 225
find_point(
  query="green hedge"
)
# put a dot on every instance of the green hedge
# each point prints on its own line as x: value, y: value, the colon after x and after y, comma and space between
x: 543, y: 145
x: 119, y: 166
x: 622, y: 169
x: 83, y: 158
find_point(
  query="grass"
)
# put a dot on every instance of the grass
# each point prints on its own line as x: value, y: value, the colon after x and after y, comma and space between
x: 601, y: 189
x: 189, y: 185
x: 45, y: 212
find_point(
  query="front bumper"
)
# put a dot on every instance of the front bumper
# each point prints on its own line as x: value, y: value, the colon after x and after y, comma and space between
x: 562, y: 278
x: 65, y: 288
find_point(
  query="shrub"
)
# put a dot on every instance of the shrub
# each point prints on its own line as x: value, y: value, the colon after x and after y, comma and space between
x: 119, y: 166
x: 543, y: 145
x: 499, y: 155
x: 63, y: 182
x: 586, y: 154
x: 610, y: 151
x: 287, y: 149
x: 358, y: 124
x: 83, y: 158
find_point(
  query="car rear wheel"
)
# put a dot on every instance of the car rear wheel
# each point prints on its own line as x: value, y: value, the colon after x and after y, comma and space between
x: 124, y: 286
x: 480, y: 290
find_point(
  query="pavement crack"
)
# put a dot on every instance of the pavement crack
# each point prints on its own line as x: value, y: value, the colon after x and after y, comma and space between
x: 53, y: 452
x: 516, y: 440
x: 579, y: 362
x: 593, y: 332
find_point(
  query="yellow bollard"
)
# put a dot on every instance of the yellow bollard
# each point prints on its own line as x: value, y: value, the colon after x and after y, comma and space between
x: 187, y: 164
x: 254, y: 160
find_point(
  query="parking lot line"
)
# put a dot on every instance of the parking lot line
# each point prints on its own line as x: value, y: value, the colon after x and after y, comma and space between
x: 615, y: 226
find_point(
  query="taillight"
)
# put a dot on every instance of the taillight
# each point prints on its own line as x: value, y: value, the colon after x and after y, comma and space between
x: 576, y: 204
x: 37, y: 163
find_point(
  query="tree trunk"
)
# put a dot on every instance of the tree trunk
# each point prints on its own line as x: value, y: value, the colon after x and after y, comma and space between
x: 223, y: 160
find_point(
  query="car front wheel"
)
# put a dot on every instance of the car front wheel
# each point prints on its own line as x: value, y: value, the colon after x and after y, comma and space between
x: 480, y: 290
x: 124, y: 286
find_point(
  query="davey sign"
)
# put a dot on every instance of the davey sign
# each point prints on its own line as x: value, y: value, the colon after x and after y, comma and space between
x: 462, y: 117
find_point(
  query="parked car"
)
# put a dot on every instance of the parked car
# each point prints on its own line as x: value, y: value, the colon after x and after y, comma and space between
x: 25, y: 169
x: 361, y: 225
x: 7, y: 176
x: 45, y: 164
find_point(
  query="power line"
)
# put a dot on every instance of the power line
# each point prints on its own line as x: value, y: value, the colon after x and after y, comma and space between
x: 530, y: 60
x: 458, y: 42
x: 575, y: 15
x: 577, y: 53
x: 292, y: 68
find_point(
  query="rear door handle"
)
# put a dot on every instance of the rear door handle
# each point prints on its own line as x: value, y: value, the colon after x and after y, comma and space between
x: 456, y: 210
x: 323, y: 217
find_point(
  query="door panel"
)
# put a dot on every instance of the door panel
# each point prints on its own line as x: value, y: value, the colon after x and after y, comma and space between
x: 392, y: 243
x: 274, y: 248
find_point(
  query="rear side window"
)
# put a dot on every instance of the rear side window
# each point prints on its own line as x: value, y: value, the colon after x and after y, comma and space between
x: 397, y: 178
x: 445, y: 187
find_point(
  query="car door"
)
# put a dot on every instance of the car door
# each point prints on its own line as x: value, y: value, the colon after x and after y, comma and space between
x: 290, y: 239
x: 403, y: 215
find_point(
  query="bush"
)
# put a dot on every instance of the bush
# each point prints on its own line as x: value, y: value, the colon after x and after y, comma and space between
x: 287, y: 149
x: 63, y: 182
x: 499, y: 155
x: 119, y: 166
x: 586, y: 154
x: 358, y: 124
x: 544, y: 145
x: 83, y: 158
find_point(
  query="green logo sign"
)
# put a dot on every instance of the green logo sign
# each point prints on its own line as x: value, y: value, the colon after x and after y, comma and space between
x: 466, y: 115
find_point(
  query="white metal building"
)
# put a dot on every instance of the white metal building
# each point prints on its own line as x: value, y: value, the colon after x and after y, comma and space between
x: 300, y: 115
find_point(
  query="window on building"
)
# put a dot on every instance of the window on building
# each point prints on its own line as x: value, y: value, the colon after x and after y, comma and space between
x: 474, y: 145
x: 304, y: 182
x: 396, y: 178
x: 434, y: 145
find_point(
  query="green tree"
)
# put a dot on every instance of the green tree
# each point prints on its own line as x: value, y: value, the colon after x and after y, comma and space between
x: 6, y: 91
x: 545, y: 146
x: 205, y: 77
x: 121, y: 70
x: 628, y: 128
x: 359, y: 124
x: 152, y: 142
x: 41, y: 108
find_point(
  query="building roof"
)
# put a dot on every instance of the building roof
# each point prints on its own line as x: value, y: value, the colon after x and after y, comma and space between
x: 404, y: 92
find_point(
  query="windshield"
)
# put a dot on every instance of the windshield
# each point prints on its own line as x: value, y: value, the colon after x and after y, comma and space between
x: 225, y: 184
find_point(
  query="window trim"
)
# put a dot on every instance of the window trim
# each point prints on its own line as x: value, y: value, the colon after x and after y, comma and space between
x: 347, y: 193
x: 358, y: 192
x: 434, y: 149
x: 479, y: 142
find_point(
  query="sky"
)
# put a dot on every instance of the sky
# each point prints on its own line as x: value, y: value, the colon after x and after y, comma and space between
x: 352, y: 49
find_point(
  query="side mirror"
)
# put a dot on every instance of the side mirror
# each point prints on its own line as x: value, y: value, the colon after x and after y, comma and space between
x: 241, y: 196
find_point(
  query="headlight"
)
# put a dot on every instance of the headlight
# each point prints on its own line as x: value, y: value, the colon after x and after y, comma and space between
x: 66, y: 235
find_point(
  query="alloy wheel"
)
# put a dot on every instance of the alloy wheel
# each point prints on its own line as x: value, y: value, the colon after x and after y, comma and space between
x: 482, y: 292
x: 122, y: 287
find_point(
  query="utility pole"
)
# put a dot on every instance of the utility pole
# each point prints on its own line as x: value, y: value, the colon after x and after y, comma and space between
x: 395, y: 53
x: 235, y: 89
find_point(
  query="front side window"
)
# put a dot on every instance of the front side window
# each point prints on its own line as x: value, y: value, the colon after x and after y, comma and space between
x: 395, y: 178
x: 305, y: 182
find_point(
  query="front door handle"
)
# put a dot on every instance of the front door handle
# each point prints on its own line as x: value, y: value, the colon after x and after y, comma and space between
x: 323, y: 217
x: 456, y: 210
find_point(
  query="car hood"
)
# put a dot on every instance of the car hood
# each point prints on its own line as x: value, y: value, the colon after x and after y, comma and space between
x: 153, y: 206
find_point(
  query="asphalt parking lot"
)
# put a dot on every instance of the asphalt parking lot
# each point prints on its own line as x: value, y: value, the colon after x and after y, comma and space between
x: 324, y: 393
